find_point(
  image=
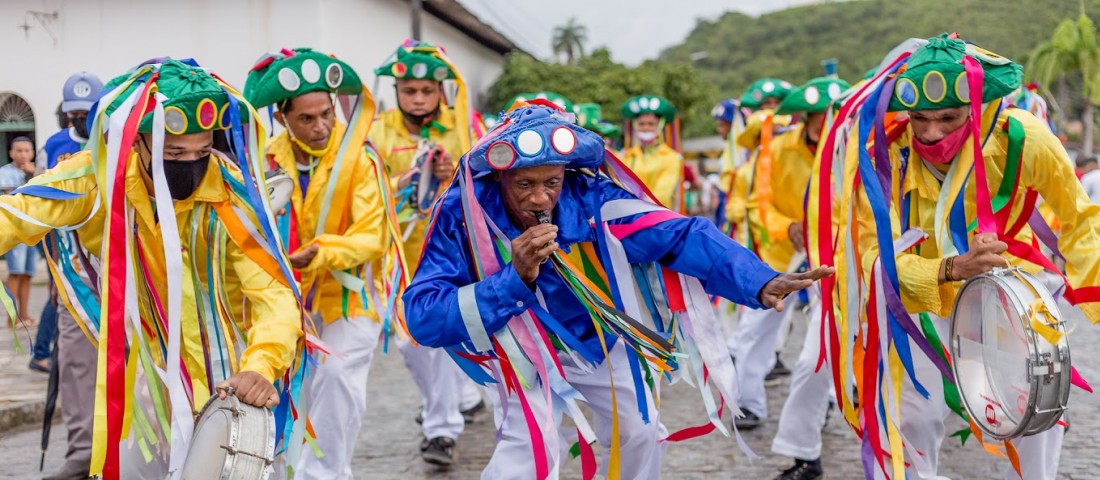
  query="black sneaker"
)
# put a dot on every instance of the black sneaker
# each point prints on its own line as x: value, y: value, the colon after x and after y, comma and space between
x: 748, y: 422
x: 469, y: 415
x: 779, y: 368
x: 775, y: 376
x: 438, y: 451
x: 803, y: 470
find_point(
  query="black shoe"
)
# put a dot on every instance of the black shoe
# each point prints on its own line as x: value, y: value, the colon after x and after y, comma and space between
x: 779, y: 368
x: 469, y: 415
x: 37, y: 366
x: 438, y: 451
x: 420, y: 417
x: 803, y: 470
x: 747, y: 422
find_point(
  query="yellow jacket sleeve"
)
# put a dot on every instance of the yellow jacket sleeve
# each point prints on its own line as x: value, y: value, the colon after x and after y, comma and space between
x: 726, y: 176
x: 276, y: 322
x: 737, y: 200
x: 1046, y: 169
x: 74, y: 176
x: 366, y: 237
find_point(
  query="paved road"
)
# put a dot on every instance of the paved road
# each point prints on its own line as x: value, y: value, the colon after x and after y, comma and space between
x: 387, y: 447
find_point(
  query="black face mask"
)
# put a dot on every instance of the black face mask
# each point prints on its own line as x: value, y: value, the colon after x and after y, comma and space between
x: 421, y: 120
x: 183, y: 176
x: 81, y: 128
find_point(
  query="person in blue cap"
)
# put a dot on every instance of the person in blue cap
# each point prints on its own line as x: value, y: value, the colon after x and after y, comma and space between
x: 76, y: 356
x: 532, y: 274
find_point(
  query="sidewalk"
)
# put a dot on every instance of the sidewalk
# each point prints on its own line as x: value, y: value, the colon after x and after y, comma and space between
x: 23, y: 397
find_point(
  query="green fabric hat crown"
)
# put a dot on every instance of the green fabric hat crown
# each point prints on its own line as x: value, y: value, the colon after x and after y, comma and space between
x: 589, y: 115
x: 813, y: 97
x: 658, y: 106
x: 283, y: 75
x: 416, y: 64
x: 196, y: 101
x: 764, y: 89
x: 934, y: 76
x: 555, y: 98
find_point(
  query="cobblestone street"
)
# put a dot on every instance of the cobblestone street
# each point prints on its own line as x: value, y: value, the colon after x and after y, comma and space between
x: 388, y: 443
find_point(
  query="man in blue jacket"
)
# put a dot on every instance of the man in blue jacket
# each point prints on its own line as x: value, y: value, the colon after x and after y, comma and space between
x: 561, y: 283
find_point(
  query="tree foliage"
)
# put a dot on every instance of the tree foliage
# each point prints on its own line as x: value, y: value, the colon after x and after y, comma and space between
x: 790, y: 44
x: 597, y: 78
x: 1073, y: 49
x: 569, y: 40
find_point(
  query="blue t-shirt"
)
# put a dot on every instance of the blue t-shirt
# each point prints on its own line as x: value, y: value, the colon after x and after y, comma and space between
x: 60, y: 146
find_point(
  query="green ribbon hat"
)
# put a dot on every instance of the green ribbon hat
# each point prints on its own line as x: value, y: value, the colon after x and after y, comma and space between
x: 658, y: 106
x: 590, y: 116
x: 196, y: 101
x: 555, y: 98
x: 813, y: 97
x: 283, y: 75
x: 934, y: 76
x: 416, y: 63
x: 764, y: 89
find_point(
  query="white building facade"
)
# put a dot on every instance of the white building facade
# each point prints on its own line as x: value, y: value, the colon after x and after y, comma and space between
x: 45, y: 41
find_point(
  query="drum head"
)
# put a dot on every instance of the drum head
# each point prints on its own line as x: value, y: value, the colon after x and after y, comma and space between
x: 279, y: 189
x: 206, y: 458
x: 992, y: 348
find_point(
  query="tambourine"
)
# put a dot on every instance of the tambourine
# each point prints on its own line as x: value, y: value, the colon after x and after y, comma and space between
x: 279, y: 188
x: 1010, y: 354
x: 232, y: 441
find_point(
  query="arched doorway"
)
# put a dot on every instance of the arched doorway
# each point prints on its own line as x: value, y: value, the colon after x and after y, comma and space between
x: 16, y: 119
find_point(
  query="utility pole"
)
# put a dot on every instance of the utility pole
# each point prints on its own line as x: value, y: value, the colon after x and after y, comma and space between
x: 417, y: 7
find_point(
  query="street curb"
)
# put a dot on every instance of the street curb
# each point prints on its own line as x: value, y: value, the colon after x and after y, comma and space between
x: 20, y: 414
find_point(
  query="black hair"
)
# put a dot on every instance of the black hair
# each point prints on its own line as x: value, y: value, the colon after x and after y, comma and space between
x: 1083, y: 160
x: 284, y: 106
x: 21, y: 138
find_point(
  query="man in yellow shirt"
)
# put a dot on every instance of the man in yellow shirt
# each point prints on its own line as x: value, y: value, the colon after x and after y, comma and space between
x: 420, y: 142
x: 174, y: 231
x: 803, y: 415
x: 933, y: 164
x: 766, y: 204
x: 652, y: 138
x: 336, y: 235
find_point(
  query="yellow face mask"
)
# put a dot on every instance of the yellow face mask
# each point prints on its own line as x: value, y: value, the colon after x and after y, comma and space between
x: 316, y: 153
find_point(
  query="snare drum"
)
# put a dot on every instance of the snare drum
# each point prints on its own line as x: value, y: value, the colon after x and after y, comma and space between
x: 279, y: 188
x: 1013, y: 380
x: 232, y: 441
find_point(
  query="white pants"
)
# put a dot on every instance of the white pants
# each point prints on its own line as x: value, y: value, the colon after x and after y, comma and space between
x: 754, y: 344
x: 335, y: 397
x: 922, y: 424
x: 803, y: 416
x: 641, y: 445
x: 443, y: 387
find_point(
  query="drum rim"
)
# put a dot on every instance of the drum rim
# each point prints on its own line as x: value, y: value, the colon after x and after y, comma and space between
x: 233, y: 404
x: 999, y: 277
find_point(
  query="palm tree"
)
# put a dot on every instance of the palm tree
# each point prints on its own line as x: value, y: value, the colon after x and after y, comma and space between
x: 569, y: 40
x: 1074, y: 48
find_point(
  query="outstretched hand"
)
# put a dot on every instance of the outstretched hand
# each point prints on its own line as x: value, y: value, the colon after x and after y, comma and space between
x: 778, y: 288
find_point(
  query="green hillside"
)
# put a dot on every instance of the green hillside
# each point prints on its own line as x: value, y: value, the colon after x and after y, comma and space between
x: 790, y: 44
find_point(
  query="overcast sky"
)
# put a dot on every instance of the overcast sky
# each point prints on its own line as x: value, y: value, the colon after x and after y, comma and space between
x: 634, y: 30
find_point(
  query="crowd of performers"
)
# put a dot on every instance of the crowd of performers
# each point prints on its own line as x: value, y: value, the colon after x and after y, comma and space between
x: 520, y: 256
